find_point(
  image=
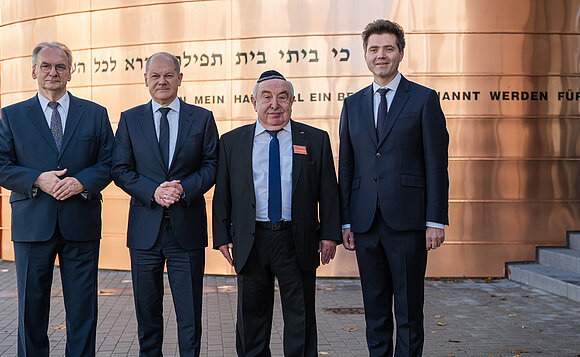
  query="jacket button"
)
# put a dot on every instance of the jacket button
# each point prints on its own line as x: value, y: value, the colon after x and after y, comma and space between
x: 378, y: 154
x: 59, y: 167
x: 253, y: 205
x: 374, y: 179
x: 251, y: 234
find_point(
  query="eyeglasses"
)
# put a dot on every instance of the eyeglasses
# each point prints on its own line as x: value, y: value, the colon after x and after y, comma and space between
x: 46, y: 68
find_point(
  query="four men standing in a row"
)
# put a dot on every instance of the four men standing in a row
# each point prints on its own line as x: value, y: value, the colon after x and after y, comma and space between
x: 277, y: 207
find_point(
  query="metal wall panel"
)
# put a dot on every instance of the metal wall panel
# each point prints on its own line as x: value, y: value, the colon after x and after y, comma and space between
x: 515, y: 180
x: 163, y: 23
x: 18, y: 39
x: 514, y: 138
x: 511, y: 222
x: 493, y: 54
x: 12, y: 11
x: 495, y: 16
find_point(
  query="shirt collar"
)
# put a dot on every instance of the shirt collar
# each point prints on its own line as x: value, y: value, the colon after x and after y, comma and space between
x: 63, y: 101
x: 260, y: 129
x: 173, y: 106
x: 393, y: 85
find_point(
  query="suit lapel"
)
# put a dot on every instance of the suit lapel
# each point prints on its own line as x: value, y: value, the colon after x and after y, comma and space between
x: 367, y: 113
x: 246, y: 147
x: 75, y: 112
x: 148, y: 127
x: 184, y: 124
x: 298, y: 138
x: 401, y: 97
x: 37, y: 117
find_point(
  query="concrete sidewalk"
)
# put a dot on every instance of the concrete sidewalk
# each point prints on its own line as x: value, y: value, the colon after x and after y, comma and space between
x: 462, y: 318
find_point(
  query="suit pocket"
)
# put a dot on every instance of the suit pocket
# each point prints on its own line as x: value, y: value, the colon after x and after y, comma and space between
x: 92, y: 138
x: 355, y: 184
x: 96, y: 196
x: 413, y: 181
x: 137, y: 203
x: 193, y: 138
x: 87, y: 146
x: 407, y: 116
x: 17, y: 196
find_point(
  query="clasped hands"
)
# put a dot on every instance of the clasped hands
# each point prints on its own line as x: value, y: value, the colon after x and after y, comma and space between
x: 168, y: 193
x: 61, y: 189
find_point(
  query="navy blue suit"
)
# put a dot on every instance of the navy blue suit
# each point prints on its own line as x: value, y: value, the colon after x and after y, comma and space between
x: 43, y: 227
x: 178, y: 239
x: 389, y: 187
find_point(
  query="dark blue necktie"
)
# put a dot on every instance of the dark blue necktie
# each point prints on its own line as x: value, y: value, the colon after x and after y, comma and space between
x: 382, y: 114
x: 274, y: 180
x: 164, y: 135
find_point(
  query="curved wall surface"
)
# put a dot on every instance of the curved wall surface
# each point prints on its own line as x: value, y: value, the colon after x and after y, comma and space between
x: 507, y: 74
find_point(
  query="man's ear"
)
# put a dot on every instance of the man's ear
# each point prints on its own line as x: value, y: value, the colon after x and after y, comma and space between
x: 254, y: 102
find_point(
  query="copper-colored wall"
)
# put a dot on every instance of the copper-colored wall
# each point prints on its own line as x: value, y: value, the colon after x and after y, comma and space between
x: 513, y: 162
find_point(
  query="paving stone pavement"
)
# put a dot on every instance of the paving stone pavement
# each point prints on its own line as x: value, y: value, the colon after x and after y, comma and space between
x: 462, y: 318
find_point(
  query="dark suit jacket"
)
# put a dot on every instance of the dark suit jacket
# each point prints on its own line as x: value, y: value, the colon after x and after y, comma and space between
x: 27, y: 149
x: 405, y: 170
x: 138, y: 169
x: 315, y: 207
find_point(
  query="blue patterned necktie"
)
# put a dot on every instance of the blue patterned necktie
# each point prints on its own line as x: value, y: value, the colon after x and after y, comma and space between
x: 164, y: 135
x: 56, y: 124
x: 382, y: 114
x: 274, y: 180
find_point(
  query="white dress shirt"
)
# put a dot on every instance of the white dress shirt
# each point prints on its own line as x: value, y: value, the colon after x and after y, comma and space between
x: 63, y: 105
x: 260, y: 165
x: 172, y: 118
x: 392, y: 86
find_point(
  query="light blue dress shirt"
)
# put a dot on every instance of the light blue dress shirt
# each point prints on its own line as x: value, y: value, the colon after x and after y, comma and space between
x: 260, y: 164
x: 62, y: 108
x: 392, y: 86
x: 173, y: 118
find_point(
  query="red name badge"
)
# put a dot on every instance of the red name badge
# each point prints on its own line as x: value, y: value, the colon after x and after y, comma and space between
x: 299, y: 149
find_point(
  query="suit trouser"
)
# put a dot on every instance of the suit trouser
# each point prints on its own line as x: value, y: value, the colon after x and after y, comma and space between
x: 185, y: 271
x: 78, y: 272
x: 274, y: 255
x: 392, y: 263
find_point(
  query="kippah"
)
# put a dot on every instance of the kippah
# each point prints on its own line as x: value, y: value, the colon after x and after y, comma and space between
x: 271, y: 74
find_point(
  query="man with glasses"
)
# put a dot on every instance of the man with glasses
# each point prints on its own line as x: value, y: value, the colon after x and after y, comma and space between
x: 55, y: 157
